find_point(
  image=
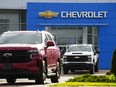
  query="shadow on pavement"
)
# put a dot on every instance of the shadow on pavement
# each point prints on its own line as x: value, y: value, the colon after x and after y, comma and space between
x: 19, y: 84
x: 80, y: 72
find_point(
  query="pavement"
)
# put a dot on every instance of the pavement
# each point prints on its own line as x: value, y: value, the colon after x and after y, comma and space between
x: 102, y: 72
x: 30, y: 83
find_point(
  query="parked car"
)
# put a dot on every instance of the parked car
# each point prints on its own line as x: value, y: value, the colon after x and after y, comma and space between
x: 29, y: 54
x: 81, y: 57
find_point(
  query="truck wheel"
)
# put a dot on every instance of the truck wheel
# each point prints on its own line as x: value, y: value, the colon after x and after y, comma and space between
x: 65, y: 70
x: 41, y: 78
x: 55, y: 78
x: 10, y: 80
x: 91, y: 69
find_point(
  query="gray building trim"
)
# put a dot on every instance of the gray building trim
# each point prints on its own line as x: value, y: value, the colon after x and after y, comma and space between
x: 22, y: 4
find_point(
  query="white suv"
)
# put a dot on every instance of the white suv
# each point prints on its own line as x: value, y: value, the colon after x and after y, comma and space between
x: 80, y: 57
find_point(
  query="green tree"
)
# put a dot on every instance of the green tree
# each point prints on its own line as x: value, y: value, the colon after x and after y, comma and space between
x: 113, y: 63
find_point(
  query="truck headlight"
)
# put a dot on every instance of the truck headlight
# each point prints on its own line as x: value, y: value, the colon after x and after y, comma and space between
x: 64, y: 58
x: 89, y: 58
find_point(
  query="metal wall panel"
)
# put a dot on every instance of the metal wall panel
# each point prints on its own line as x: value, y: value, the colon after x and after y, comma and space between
x: 104, y: 1
x: 10, y: 4
x: 87, y: 1
x: 113, y: 1
x: 22, y: 4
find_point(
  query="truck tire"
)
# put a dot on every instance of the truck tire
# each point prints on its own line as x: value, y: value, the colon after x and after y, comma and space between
x: 55, y: 79
x: 11, y: 80
x: 65, y: 70
x: 91, y: 70
x: 41, y: 78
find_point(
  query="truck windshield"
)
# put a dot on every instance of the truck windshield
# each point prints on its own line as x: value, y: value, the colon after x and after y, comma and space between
x: 27, y: 38
x: 80, y: 48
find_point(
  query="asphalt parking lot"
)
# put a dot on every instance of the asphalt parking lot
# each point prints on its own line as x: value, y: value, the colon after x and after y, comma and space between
x: 31, y: 83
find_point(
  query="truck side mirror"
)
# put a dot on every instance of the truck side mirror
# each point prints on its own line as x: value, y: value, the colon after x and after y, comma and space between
x: 50, y: 43
x: 97, y: 50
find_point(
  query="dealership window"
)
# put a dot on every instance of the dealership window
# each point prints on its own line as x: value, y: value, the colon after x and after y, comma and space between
x: 4, y: 25
x: 92, y: 37
x: 22, y: 22
x: 75, y: 35
x: 12, y: 20
x: 66, y: 35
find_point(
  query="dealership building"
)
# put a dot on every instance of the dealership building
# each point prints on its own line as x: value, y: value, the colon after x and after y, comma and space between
x: 71, y: 22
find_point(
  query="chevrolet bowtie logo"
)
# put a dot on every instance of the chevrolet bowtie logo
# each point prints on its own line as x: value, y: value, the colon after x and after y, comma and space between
x: 48, y: 14
x: 76, y: 57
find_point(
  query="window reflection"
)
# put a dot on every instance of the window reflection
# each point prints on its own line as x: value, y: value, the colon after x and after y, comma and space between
x: 67, y: 35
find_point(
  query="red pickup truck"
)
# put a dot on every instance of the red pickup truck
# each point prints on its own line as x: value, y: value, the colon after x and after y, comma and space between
x: 29, y: 54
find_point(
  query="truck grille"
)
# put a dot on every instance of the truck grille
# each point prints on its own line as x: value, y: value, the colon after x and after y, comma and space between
x: 78, y: 58
x: 14, y: 56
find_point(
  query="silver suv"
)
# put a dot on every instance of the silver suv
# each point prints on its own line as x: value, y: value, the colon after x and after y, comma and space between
x: 80, y: 57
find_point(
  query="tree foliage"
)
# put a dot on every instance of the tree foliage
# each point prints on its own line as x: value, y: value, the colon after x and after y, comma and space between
x: 113, y: 63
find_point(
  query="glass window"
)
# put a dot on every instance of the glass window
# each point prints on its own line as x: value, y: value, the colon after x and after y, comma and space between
x: 67, y: 34
x: 80, y: 48
x: 45, y: 39
x: 23, y: 20
x: 95, y: 40
x: 89, y: 39
x: 89, y: 30
x: 12, y: 20
x: 4, y: 25
x: 49, y: 37
x: 92, y: 37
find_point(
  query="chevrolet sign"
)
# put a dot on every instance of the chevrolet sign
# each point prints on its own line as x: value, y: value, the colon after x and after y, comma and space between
x: 84, y: 14
x: 74, y: 14
x: 48, y: 14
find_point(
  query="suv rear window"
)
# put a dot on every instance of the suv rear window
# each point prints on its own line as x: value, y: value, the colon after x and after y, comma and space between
x: 27, y: 38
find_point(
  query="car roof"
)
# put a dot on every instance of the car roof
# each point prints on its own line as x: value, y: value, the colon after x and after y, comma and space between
x: 22, y: 31
x: 10, y: 32
x: 27, y: 32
